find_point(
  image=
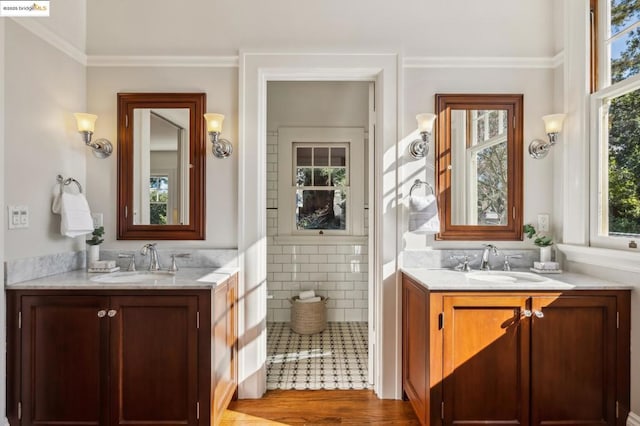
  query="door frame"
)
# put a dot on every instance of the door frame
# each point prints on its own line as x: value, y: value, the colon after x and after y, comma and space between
x: 256, y: 68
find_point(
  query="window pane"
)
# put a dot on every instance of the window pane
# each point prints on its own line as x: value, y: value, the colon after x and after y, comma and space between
x: 320, y: 209
x: 339, y: 177
x: 157, y: 214
x: 338, y: 157
x: 322, y: 176
x: 303, y: 156
x: 624, y: 165
x: 321, y: 156
x: 625, y: 56
x: 623, y: 14
x: 303, y: 176
x: 492, y: 185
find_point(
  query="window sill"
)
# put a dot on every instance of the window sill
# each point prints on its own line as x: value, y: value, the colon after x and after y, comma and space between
x: 326, y: 240
x: 616, y: 259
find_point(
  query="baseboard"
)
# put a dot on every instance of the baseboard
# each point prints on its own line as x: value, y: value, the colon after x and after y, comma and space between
x: 633, y: 420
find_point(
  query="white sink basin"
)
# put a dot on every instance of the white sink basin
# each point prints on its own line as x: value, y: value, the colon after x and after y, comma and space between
x: 146, y: 277
x: 506, y: 277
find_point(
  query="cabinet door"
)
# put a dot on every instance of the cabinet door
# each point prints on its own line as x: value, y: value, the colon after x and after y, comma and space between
x: 64, y: 360
x: 573, y: 360
x: 154, y: 360
x: 224, y: 347
x: 415, y: 349
x: 486, y: 360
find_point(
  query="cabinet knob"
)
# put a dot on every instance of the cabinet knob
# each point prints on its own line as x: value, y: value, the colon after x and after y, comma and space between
x: 527, y: 313
x: 538, y: 314
x: 102, y: 313
x: 112, y: 313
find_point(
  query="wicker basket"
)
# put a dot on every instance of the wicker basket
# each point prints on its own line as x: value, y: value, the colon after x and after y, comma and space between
x: 308, y: 318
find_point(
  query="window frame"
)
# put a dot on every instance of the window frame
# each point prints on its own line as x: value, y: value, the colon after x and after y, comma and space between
x: 345, y: 188
x: 290, y: 137
x: 602, y: 90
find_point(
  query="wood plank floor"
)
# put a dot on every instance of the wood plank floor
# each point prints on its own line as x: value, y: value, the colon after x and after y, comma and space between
x: 319, y: 407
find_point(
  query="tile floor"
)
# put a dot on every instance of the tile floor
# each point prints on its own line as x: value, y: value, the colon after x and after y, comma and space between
x: 337, y: 358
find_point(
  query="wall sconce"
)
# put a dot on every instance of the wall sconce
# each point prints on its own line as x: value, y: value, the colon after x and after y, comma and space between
x: 102, y: 148
x: 419, y: 148
x: 552, y: 125
x: 222, y: 148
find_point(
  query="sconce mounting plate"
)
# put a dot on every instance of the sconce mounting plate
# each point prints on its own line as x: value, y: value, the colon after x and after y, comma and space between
x: 101, y: 148
x: 539, y: 149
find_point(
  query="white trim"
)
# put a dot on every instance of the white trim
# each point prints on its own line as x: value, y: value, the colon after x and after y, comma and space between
x: 255, y: 70
x: 480, y: 62
x: 633, y: 419
x: 162, y: 61
x: 39, y: 30
x: 558, y: 59
x: 613, y: 259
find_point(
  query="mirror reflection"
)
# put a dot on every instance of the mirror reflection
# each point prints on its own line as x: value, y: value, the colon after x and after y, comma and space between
x: 479, y: 167
x: 479, y: 170
x: 161, y: 172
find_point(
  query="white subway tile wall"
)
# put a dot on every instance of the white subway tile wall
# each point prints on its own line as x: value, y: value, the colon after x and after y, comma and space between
x: 339, y: 271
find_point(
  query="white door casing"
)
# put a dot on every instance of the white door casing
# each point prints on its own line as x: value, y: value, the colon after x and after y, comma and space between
x: 255, y: 70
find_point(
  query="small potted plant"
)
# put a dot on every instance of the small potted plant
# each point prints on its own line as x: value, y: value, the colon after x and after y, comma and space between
x: 93, y: 253
x: 543, y: 241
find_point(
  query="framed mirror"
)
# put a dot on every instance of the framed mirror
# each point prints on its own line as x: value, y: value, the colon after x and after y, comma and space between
x: 161, y: 166
x: 479, y: 166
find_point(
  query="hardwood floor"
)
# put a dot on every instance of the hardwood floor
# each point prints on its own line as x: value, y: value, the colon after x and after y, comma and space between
x: 319, y: 407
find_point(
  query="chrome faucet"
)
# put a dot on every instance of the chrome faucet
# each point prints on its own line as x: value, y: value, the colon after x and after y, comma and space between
x: 154, y: 263
x: 488, y: 249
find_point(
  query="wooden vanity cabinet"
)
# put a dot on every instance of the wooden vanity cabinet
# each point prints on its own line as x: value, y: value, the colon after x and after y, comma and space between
x: 127, y: 357
x: 225, y: 363
x: 523, y: 358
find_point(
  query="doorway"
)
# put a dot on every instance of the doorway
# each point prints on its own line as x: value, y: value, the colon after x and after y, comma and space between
x: 317, y: 234
x: 256, y: 70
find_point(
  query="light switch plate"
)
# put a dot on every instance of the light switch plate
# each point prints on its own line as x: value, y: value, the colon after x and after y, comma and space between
x: 18, y: 217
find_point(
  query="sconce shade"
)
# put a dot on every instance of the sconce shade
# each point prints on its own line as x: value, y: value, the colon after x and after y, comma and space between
x: 425, y: 122
x: 86, y: 122
x: 553, y: 123
x: 214, y: 122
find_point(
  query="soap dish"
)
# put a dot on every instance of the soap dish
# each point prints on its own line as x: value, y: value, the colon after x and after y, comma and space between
x: 546, y: 271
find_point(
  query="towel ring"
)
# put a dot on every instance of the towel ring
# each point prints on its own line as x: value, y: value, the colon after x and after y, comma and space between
x: 419, y: 183
x: 64, y: 182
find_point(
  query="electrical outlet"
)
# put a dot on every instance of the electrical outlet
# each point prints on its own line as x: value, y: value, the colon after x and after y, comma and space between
x: 97, y: 220
x: 543, y: 222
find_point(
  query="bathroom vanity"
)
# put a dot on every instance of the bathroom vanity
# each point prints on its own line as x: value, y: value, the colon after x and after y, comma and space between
x: 158, y: 350
x: 515, y: 348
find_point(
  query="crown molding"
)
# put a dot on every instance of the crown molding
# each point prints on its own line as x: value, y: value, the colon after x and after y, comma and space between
x: 479, y: 62
x: 162, y: 61
x: 39, y: 30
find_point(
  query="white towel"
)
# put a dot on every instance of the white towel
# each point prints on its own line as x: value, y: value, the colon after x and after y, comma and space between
x: 75, y: 214
x: 307, y: 294
x: 423, y: 214
x: 310, y: 300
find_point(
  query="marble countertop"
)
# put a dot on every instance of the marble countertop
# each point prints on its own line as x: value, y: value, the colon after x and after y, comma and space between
x: 446, y: 279
x: 184, y: 279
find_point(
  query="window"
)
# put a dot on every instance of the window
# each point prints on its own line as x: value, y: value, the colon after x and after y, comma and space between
x: 616, y: 135
x: 322, y: 183
x: 321, y: 187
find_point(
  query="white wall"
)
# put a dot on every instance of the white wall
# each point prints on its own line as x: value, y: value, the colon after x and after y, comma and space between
x: 221, y: 87
x: 43, y: 88
x: 416, y: 27
x: 420, y: 86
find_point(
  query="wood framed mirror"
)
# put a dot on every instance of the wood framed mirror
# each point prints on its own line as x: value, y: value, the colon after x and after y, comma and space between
x: 479, y: 166
x: 161, y: 166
